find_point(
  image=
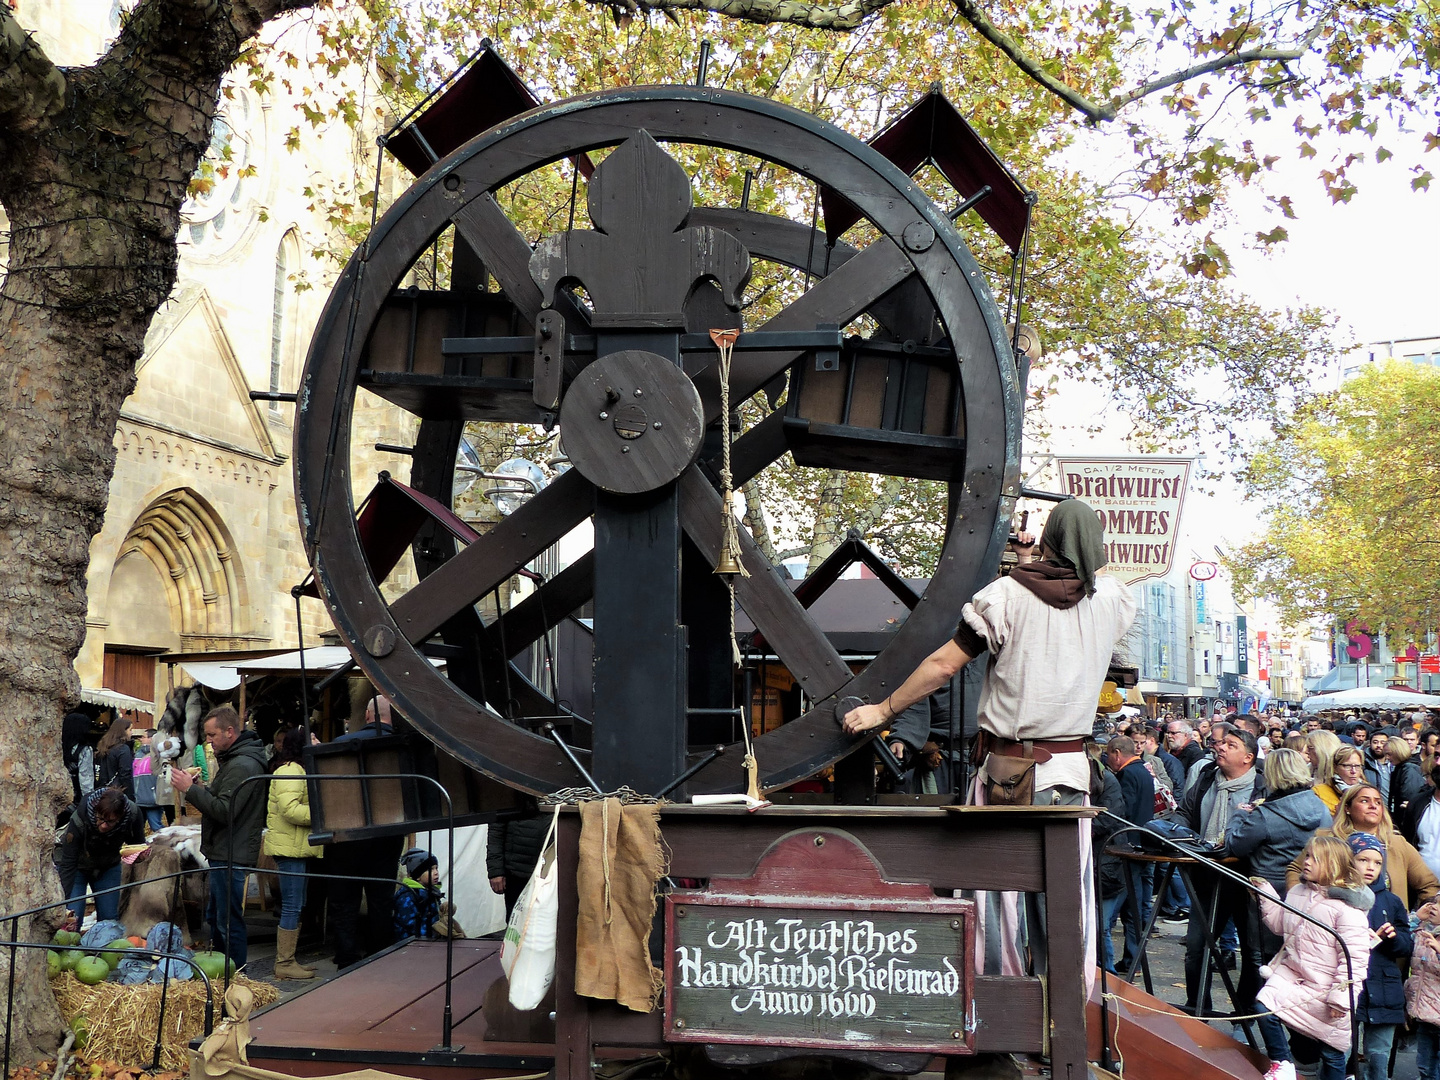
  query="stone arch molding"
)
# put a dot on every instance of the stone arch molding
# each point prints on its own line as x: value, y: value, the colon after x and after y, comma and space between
x: 185, y: 539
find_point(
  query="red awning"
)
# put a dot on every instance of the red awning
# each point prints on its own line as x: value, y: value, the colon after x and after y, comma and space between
x: 933, y: 130
x: 388, y: 521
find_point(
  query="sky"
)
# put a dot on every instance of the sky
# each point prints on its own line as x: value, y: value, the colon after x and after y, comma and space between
x: 1374, y: 262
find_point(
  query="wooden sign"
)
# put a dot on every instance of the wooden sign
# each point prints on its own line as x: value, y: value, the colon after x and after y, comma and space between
x: 1138, y: 501
x: 816, y: 950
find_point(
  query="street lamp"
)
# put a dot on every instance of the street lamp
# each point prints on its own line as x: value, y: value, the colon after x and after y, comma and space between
x: 519, y: 479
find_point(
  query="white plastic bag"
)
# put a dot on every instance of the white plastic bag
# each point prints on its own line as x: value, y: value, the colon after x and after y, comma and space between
x: 527, y: 956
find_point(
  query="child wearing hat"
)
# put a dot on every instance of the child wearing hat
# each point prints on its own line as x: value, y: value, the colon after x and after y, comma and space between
x: 1382, y: 1004
x: 418, y: 896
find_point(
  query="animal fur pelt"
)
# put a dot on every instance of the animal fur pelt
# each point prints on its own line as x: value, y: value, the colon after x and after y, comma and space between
x: 183, y: 710
x: 185, y: 839
x: 158, y: 898
x: 173, y: 718
x: 195, y: 706
x: 164, y: 749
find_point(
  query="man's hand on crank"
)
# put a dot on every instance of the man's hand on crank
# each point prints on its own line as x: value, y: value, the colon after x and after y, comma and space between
x: 866, y: 718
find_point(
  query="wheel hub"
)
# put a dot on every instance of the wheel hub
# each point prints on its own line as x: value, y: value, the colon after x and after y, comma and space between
x: 632, y: 422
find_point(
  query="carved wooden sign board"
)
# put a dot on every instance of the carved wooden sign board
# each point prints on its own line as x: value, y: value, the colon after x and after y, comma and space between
x: 818, y: 950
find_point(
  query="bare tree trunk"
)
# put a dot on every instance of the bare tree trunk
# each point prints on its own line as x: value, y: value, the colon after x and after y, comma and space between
x: 754, y: 520
x: 830, y: 526
x: 94, y: 164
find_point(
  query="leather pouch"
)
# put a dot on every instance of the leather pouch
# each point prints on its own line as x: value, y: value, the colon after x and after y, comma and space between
x: 1010, y: 781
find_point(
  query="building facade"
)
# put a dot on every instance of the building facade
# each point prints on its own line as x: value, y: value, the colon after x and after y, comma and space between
x: 200, y: 546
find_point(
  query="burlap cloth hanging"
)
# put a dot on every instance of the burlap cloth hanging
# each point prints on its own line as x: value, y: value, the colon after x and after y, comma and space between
x: 225, y: 1046
x: 621, y: 862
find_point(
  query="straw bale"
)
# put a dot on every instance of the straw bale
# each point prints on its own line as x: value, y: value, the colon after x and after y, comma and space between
x: 123, y: 1018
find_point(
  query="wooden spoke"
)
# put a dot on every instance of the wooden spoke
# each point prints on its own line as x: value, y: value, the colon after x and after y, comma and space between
x: 487, y: 562
x: 547, y: 606
x: 503, y: 249
x: 506, y: 254
x: 799, y: 643
x: 846, y: 293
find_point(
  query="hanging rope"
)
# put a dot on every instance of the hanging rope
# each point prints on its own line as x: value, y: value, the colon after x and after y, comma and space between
x: 729, y: 563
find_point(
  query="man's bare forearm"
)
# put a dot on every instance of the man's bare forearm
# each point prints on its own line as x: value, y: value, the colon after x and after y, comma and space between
x: 934, y: 671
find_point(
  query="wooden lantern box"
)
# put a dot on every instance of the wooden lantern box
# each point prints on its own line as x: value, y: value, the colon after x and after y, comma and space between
x: 877, y: 406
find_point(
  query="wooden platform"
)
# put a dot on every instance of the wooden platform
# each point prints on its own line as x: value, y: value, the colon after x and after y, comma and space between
x: 387, y: 1013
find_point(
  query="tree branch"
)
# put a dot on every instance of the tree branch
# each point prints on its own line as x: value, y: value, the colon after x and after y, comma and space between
x: 1219, y: 63
x: 850, y: 14
x: 32, y: 89
x: 847, y: 15
x: 971, y: 13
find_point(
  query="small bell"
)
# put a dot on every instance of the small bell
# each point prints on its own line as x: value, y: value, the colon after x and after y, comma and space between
x: 727, y: 563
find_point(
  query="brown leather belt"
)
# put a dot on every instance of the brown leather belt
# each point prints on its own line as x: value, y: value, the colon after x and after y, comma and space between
x: 1038, y: 749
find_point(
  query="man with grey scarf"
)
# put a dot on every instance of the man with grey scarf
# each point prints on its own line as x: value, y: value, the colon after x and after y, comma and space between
x: 1221, y: 788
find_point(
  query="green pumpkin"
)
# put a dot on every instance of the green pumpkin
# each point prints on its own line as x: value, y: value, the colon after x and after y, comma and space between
x: 213, y: 964
x: 120, y: 947
x: 92, y: 970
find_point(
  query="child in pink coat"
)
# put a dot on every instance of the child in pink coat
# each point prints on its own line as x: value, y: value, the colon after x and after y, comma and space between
x: 1311, y: 991
x: 1422, y: 1000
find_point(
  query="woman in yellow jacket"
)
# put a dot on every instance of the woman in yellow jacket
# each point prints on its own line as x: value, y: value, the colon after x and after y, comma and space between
x: 287, y: 831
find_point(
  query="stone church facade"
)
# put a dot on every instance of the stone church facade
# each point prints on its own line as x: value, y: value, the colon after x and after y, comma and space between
x: 200, y: 546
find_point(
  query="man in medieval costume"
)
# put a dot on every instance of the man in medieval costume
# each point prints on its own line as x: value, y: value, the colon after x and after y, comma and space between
x: 1050, y: 629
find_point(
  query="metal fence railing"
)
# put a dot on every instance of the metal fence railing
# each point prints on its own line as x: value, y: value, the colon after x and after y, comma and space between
x: 14, y: 944
x: 1213, y: 866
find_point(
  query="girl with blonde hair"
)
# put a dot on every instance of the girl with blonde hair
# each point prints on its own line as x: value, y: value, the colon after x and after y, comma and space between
x: 1362, y: 809
x: 1320, y: 747
x: 1312, y: 989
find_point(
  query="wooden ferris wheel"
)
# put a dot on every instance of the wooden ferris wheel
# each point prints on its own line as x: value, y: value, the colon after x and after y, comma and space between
x: 602, y: 329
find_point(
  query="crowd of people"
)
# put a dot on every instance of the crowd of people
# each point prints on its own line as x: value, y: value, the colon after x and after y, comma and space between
x: 1339, y: 817
x: 124, y: 786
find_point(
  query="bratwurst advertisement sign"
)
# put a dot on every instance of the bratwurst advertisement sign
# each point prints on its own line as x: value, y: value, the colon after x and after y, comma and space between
x: 1138, y: 500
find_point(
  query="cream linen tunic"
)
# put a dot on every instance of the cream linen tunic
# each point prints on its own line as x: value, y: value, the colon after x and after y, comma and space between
x: 1046, y: 667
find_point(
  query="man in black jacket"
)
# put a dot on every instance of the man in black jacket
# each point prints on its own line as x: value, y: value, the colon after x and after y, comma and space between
x: 511, y: 850
x: 1221, y: 787
x: 232, y: 817
x: 1181, y: 741
x: 1137, y: 789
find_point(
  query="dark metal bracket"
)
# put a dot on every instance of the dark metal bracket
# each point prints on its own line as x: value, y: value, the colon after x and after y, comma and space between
x: 1047, y: 496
